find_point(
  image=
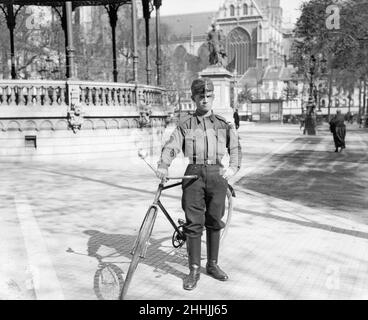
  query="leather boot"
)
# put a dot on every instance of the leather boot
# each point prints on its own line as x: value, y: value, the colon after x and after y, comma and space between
x: 194, y: 259
x: 213, y: 245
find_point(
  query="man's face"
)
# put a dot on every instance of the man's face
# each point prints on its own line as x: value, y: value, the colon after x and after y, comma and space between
x: 204, y: 101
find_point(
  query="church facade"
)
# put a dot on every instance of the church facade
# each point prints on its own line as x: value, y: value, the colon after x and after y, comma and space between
x: 254, y: 43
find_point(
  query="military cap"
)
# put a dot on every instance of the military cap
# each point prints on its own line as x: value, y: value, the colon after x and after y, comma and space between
x: 199, y: 86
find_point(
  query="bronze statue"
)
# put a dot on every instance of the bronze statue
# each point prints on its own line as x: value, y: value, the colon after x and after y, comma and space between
x: 216, y: 46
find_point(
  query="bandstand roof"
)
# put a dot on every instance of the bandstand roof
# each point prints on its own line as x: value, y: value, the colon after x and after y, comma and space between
x: 76, y: 3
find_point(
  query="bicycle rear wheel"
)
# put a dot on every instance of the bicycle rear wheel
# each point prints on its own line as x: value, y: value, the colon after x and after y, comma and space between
x: 140, y: 247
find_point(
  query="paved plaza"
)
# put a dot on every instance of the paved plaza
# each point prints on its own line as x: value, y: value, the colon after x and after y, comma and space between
x: 299, y: 228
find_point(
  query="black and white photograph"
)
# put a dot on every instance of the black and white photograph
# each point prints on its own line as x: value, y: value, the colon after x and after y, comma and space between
x: 183, y: 150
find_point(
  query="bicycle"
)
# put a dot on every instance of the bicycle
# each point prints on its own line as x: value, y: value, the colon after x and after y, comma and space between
x: 178, y: 239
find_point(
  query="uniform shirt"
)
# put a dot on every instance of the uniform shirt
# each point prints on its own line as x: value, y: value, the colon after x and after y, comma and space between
x: 203, y: 139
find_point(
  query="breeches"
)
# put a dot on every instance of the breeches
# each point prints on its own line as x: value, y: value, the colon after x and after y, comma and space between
x: 203, y: 199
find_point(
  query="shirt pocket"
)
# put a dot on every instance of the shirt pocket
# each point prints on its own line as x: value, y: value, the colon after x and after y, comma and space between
x: 189, y: 144
x: 221, y: 142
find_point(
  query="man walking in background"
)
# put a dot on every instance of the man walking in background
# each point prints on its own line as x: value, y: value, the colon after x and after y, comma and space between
x: 338, y: 130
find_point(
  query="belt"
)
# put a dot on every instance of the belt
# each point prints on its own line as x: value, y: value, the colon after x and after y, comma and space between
x: 204, y: 162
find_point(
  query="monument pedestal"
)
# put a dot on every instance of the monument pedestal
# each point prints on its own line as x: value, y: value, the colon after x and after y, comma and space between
x: 221, y: 79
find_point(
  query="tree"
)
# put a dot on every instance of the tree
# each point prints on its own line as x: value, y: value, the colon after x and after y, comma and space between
x: 33, y: 41
x: 290, y: 92
x: 246, y: 95
x: 345, y: 55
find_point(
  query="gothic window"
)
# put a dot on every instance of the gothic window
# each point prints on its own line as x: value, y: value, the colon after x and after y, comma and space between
x: 245, y: 9
x: 232, y: 10
x: 238, y: 49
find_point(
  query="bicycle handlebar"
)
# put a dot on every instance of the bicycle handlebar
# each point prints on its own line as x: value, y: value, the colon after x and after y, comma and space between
x: 180, y: 178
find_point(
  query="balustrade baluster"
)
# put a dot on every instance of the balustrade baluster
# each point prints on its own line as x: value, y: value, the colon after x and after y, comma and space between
x: 42, y: 91
x: 34, y: 95
x: 122, y: 97
x: 113, y: 96
x: 107, y: 96
x: 29, y: 96
x: 83, y: 95
x: 54, y: 96
x: 2, y: 96
x: 102, y: 96
x: 89, y: 96
x: 12, y: 96
x: 94, y: 96
x: 125, y: 97
x: 62, y: 95
x: 49, y: 100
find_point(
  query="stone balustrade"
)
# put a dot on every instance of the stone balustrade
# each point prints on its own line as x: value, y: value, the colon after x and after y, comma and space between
x: 27, y: 105
x: 54, y: 93
x: 32, y: 93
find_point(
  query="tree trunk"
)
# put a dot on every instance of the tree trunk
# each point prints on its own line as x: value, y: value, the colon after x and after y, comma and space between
x: 330, y: 89
x: 364, y: 97
x: 360, y: 101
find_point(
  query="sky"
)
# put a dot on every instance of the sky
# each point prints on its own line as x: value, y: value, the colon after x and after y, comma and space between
x: 170, y: 7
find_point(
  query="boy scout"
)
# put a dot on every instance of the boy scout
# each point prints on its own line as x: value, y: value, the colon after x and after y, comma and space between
x: 204, y: 138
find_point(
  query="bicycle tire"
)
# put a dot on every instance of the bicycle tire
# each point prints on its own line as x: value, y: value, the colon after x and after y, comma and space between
x: 142, y: 239
x: 228, y: 214
x: 116, y: 274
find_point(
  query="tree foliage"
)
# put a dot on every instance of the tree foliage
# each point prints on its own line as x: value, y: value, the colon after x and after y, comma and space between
x: 344, y: 51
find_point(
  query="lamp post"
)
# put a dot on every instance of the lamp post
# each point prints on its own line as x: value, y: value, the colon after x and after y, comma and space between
x: 128, y: 55
x: 310, y: 119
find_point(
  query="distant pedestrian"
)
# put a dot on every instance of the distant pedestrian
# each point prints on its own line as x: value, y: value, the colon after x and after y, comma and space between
x: 338, y: 129
x: 236, y: 119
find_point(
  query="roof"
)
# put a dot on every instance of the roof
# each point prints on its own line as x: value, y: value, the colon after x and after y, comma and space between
x: 184, y: 24
x: 288, y: 73
x: 251, y: 77
x: 280, y: 73
x: 272, y: 73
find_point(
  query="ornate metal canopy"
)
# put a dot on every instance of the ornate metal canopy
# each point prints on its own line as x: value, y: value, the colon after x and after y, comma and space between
x: 76, y: 3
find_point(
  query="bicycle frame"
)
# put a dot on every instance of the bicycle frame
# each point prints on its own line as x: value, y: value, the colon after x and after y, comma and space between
x: 154, y: 206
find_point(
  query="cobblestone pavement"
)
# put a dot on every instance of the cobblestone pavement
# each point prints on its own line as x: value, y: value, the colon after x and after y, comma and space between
x: 298, y: 230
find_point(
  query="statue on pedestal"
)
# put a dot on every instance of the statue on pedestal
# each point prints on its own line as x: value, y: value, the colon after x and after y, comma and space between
x: 216, y: 46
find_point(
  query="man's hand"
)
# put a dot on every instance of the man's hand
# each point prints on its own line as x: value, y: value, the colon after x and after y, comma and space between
x: 161, y: 173
x: 229, y: 173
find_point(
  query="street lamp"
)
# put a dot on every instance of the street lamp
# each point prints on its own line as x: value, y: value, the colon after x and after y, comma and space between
x: 43, y: 70
x: 127, y: 54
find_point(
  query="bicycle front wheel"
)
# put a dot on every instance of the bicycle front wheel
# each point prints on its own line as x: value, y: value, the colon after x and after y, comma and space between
x: 140, y: 247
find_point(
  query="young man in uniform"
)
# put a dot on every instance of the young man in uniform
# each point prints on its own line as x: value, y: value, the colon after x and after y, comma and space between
x: 204, y: 138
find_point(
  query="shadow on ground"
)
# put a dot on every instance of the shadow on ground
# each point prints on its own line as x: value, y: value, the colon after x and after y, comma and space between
x: 110, y: 275
x: 319, y: 179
